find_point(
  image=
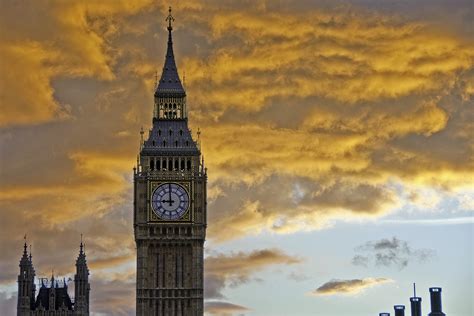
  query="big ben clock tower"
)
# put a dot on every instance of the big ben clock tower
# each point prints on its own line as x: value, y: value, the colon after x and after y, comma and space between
x: 169, y: 205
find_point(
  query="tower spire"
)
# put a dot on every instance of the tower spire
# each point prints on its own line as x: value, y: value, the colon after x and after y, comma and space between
x: 170, y: 96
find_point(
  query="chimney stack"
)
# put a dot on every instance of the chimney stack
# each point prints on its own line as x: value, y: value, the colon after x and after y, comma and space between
x: 399, y: 310
x: 435, y: 295
x: 415, y: 303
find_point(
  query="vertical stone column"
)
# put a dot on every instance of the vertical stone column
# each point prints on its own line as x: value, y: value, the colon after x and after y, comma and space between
x: 141, y: 277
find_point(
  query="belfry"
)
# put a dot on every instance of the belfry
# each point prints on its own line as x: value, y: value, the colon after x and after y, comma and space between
x: 169, y: 204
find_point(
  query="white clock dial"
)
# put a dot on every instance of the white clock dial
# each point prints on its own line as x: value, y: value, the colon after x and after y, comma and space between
x: 170, y: 201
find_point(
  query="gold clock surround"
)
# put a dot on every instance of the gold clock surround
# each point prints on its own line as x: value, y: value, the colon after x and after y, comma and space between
x: 187, y: 216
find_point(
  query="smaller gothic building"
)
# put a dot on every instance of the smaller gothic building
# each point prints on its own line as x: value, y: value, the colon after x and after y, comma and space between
x: 53, y: 297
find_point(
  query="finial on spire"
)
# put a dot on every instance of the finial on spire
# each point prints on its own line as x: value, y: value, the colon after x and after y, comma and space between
x: 24, y: 246
x: 170, y: 19
x: 199, y: 137
x: 81, y: 246
x: 414, y: 289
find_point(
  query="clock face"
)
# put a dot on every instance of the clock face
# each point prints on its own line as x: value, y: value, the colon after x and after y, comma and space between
x: 170, y: 201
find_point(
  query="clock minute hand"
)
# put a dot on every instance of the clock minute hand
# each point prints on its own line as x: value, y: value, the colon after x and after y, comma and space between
x: 169, y: 188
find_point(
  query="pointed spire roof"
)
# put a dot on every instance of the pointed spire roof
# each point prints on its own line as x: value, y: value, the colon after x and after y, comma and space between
x: 81, y: 259
x: 169, y: 82
x: 25, y: 260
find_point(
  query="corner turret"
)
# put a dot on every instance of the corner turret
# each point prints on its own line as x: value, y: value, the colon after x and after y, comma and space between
x: 26, y: 283
x: 81, y: 283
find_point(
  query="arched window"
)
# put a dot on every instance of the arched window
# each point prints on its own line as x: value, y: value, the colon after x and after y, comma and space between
x: 152, y: 164
x: 164, y: 143
x: 159, y: 132
x: 187, y: 143
x: 153, y: 142
x: 175, y: 143
x: 171, y: 132
x: 170, y: 163
x: 180, y: 132
x: 164, y: 164
x: 182, y: 164
x: 188, y: 163
x: 176, y: 164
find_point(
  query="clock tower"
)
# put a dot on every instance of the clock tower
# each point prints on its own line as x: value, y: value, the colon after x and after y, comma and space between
x: 169, y: 204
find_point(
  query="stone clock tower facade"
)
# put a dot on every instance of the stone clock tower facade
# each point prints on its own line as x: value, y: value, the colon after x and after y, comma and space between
x: 169, y: 205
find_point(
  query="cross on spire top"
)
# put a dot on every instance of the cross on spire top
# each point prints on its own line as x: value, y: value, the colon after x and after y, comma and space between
x: 170, y: 19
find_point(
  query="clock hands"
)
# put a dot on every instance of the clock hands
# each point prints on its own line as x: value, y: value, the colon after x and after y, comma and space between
x: 169, y: 188
x: 170, y: 201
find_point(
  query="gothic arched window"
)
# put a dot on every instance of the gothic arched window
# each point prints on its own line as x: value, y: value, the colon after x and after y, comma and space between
x: 152, y: 164
x: 188, y: 163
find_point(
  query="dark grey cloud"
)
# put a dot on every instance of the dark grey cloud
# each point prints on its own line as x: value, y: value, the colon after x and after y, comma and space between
x: 390, y: 252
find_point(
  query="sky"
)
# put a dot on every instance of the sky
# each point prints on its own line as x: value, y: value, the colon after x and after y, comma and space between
x: 338, y: 137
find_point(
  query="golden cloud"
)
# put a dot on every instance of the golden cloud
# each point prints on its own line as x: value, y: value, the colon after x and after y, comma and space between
x: 348, y: 287
x: 223, y: 308
x: 72, y: 42
x: 348, y: 58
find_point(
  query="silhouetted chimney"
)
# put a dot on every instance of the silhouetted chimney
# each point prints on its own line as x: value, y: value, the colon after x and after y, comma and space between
x: 399, y: 310
x: 415, y: 303
x: 435, y: 295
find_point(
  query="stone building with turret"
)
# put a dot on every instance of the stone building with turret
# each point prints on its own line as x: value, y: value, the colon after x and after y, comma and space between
x: 53, y: 296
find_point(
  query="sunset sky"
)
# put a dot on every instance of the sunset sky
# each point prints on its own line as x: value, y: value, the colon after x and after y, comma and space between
x: 338, y: 137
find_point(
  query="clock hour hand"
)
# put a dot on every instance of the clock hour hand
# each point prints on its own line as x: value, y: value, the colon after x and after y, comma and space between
x: 168, y: 201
